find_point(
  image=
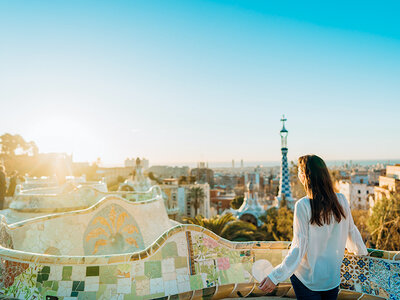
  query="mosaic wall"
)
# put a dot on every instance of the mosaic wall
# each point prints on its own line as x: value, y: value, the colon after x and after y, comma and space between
x: 112, y: 226
x: 185, y: 261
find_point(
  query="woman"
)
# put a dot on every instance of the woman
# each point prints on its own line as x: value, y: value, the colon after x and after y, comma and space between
x: 322, y: 228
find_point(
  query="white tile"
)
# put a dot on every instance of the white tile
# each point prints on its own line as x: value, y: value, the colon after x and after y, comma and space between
x: 142, y: 287
x: 168, y: 265
x: 124, y: 285
x: 171, y: 287
x: 182, y: 278
x: 137, y: 269
x: 156, y: 285
x: 64, y: 288
x: 92, y: 283
x: 182, y: 271
x: 78, y: 273
x: 183, y: 286
x: 169, y: 276
x: 56, y: 273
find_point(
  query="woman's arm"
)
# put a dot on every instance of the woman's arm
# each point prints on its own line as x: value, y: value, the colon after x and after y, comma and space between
x: 297, y: 249
x: 355, y: 243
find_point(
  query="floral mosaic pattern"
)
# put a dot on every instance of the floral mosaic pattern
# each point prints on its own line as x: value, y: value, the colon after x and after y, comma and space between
x: 112, y: 230
x: 217, y: 264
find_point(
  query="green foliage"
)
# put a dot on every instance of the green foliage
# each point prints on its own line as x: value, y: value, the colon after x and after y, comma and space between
x: 154, y: 178
x: 278, y: 224
x: 360, y: 218
x: 384, y: 223
x: 15, y: 144
x: 120, y: 179
x: 237, y: 202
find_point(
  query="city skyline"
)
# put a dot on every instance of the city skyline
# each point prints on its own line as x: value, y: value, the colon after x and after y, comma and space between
x: 201, y: 81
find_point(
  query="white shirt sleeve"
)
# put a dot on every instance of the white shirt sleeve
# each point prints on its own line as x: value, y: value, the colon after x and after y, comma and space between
x: 298, y: 248
x: 354, y: 243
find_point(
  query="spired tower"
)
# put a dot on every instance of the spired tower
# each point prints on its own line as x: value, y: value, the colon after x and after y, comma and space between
x: 284, y: 182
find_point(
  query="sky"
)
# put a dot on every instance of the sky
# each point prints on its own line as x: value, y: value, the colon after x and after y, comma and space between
x: 187, y: 81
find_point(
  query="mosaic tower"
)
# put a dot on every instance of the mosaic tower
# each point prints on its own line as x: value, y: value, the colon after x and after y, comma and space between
x: 284, y: 182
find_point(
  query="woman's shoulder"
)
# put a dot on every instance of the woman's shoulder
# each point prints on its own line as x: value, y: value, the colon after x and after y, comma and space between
x: 303, y: 202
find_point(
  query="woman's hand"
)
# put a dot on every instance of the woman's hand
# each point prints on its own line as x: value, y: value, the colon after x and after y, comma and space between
x: 266, y: 285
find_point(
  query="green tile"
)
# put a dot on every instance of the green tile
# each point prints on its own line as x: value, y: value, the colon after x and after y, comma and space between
x: 39, y: 278
x: 78, y: 286
x: 42, y: 277
x: 152, y: 269
x: 66, y: 273
x: 101, y: 290
x: 87, y: 296
x: 45, y: 270
x: 47, y: 284
x: 92, y: 271
x: 50, y: 293
x: 181, y: 262
x: 235, y: 273
x: 130, y: 297
x: 108, y: 274
x: 153, y: 296
x: 224, y: 277
x: 169, y: 250
x: 196, y: 282
x: 157, y: 255
x: 55, y: 286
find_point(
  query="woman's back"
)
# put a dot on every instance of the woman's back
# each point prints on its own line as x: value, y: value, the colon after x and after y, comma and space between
x: 320, y: 267
x: 317, y: 252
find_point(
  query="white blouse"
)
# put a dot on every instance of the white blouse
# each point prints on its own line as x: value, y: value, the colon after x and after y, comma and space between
x: 317, y: 252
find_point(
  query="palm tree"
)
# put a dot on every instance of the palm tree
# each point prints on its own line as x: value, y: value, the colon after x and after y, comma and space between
x: 196, y: 194
x: 228, y: 227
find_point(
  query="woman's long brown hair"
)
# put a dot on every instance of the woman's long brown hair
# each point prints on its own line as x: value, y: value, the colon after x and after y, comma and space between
x: 319, y: 188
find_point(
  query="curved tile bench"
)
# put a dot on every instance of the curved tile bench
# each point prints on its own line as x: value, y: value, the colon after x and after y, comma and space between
x: 30, y: 205
x: 184, y: 262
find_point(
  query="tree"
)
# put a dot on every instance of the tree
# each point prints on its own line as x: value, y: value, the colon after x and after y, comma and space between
x: 182, y: 180
x: 384, y: 223
x: 278, y: 224
x: 154, y: 178
x: 120, y: 179
x: 360, y: 218
x: 237, y: 202
x: 196, y: 194
x: 15, y: 144
x: 226, y: 226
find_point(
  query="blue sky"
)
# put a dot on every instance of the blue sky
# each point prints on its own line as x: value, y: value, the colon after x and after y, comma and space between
x: 179, y: 81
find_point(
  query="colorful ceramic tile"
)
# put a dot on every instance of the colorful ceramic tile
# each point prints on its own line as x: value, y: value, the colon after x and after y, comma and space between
x: 152, y: 269
x: 170, y: 249
x: 108, y: 274
x: 196, y: 282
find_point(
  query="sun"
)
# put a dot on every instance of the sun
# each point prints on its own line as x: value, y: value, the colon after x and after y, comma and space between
x: 59, y: 134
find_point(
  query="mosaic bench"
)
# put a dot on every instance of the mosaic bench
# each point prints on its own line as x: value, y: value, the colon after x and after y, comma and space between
x: 119, y: 249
